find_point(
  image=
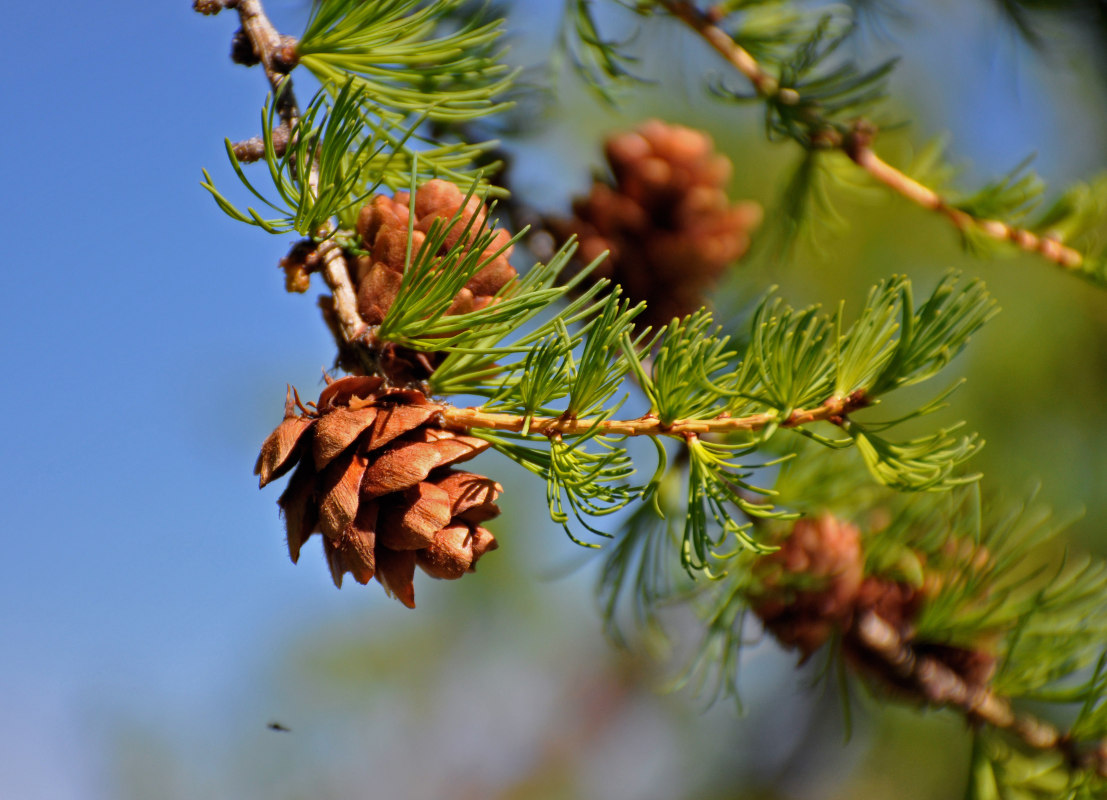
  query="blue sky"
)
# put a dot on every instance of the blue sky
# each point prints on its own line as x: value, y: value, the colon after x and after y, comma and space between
x: 146, y: 343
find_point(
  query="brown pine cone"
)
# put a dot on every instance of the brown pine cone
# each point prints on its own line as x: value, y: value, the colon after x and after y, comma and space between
x: 373, y: 475
x: 667, y: 222
x: 383, y: 228
x: 809, y: 587
x: 814, y: 586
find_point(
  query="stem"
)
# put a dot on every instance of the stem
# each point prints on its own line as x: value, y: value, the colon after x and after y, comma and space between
x: 905, y: 186
x: 268, y: 44
x: 253, y: 149
x: 862, y: 154
x: 936, y: 684
x: 699, y: 21
x: 337, y: 276
x: 833, y: 410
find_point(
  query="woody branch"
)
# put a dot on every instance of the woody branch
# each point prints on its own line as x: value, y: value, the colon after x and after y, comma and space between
x: 857, y: 146
x: 936, y: 684
x: 833, y: 410
x: 276, y: 54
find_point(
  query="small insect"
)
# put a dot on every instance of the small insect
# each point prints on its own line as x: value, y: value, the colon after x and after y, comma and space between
x: 276, y: 726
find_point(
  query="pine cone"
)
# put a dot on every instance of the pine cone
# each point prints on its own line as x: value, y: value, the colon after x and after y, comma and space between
x: 814, y: 586
x: 667, y: 221
x: 373, y: 475
x: 809, y: 587
x: 383, y: 228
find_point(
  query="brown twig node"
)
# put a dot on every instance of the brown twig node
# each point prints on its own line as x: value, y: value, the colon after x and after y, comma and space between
x: 242, y: 49
x: 253, y: 149
x: 210, y: 7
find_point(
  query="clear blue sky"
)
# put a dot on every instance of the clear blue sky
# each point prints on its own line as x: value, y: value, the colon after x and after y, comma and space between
x: 146, y: 340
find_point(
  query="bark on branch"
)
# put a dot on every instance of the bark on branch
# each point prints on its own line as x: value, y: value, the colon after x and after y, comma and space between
x: 273, y: 52
x: 933, y: 683
x: 704, y: 24
x: 833, y: 410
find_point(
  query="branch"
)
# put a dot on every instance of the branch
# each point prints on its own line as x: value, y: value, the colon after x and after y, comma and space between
x: 337, y: 276
x: 905, y: 186
x: 274, y: 52
x: 833, y: 410
x: 857, y: 146
x: 253, y: 149
x: 934, y: 683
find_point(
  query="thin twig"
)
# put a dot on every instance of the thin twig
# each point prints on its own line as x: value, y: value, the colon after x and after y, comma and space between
x: 267, y: 45
x: 253, y: 149
x: 905, y: 186
x: 337, y: 276
x: 935, y: 684
x: 271, y: 49
x: 862, y: 154
x: 833, y: 410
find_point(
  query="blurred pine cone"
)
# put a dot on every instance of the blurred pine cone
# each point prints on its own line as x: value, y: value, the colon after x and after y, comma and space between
x: 814, y: 586
x: 667, y: 221
x: 809, y: 587
x: 373, y: 476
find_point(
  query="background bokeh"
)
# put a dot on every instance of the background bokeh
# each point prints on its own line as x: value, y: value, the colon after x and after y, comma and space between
x: 151, y: 623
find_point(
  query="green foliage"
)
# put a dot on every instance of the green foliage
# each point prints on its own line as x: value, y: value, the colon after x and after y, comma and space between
x: 399, y: 53
x: 990, y: 578
x: 718, y: 486
x: 605, y: 65
x: 924, y: 463
x: 480, y: 368
x: 386, y: 68
x: 819, y: 100
x: 934, y: 333
x: 339, y: 153
x: 417, y: 317
x: 598, y: 373
x: 1009, y: 199
x: 790, y: 361
x: 688, y: 352
x: 815, y: 96
x: 580, y: 356
x: 1075, y: 218
x: 639, y: 561
x: 1001, y: 771
x: 772, y: 30
x: 580, y: 482
x: 317, y: 176
x: 806, y: 205
x: 793, y: 352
